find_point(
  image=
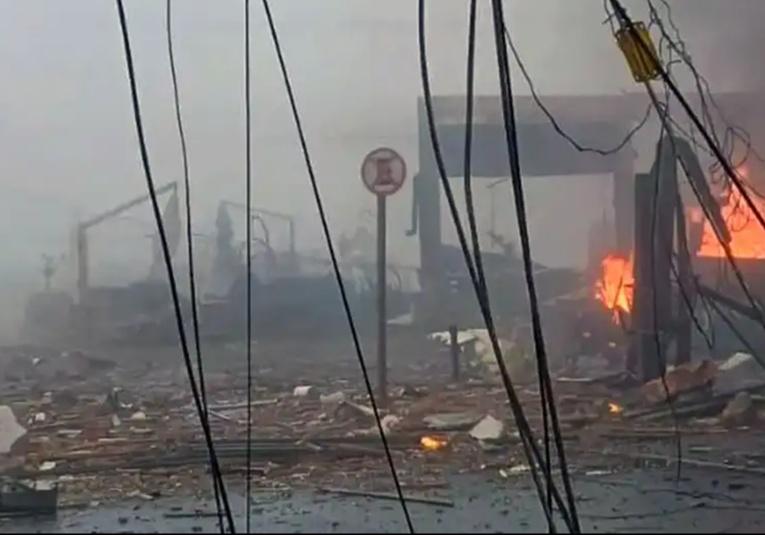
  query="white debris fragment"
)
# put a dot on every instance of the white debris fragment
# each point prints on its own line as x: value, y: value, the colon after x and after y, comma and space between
x: 10, y: 429
x: 47, y: 466
x: 489, y: 429
x: 463, y: 337
x: 598, y: 472
x: 305, y: 391
x: 333, y: 398
x: 139, y: 494
x: 388, y: 422
x: 138, y: 416
x: 516, y: 470
x: 516, y: 359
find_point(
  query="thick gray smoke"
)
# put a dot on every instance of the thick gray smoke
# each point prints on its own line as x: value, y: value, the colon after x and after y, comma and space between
x: 725, y: 39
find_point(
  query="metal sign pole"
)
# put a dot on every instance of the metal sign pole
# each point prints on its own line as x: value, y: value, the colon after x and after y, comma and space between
x: 383, y: 172
x: 382, y: 288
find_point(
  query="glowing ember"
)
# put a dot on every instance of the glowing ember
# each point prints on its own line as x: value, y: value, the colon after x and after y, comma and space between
x: 433, y: 443
x: 614, y: 408
x: 747, y: 236
x: 615, y: 288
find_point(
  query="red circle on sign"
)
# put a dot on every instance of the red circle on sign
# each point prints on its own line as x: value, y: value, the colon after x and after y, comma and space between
x: 383, y: 171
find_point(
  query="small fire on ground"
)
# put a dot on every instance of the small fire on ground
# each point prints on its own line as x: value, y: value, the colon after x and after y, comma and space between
x: 433, y: 443
x: 615, y: 408
x: 616, y: 285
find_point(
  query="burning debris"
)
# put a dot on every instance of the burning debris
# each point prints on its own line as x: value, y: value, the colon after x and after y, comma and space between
x: 615, y: 288
x: 615, y: 408
x: 433, y: 443
x: 747, y: 235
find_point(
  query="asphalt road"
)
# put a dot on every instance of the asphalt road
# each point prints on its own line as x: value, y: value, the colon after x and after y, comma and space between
x: 703, y: 501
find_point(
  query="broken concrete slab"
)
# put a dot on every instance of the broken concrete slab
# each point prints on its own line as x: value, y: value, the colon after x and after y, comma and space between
x: 333, y: 398
x: 739, y: 371
x: 739, y: 411
x: 452, y: 421
x: 489, y: 431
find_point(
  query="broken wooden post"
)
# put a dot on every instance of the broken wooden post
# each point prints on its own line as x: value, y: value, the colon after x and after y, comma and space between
x: 664, y: 205
x: 454, y: 349
x: 651, y: 275
x: 642, y: 316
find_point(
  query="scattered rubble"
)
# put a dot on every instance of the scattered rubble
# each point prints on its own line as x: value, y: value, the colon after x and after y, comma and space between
x: 681, y: 380
x: 101, y: 437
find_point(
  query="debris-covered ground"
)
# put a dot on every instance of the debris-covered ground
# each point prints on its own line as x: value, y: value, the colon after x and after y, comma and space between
x: 115, y: 430
x: 639, y: 501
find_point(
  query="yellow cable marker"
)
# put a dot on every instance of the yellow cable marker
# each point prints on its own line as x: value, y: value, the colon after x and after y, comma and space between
x: 643, y: 67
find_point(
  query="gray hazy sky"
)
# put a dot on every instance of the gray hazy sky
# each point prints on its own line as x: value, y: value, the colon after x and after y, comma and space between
x: 67, y: 139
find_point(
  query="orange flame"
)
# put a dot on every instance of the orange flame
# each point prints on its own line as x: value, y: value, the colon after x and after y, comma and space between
x: 615, y: 287
x: 614, y: 408
x: 747, y: 236
x: 430, y: 443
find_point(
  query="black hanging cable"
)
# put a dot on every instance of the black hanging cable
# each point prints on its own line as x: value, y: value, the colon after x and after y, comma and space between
x: 554, y: 122
x: 528, y: 441
x: 333, y: 258
x: 248, y: 251
x: 470, y: 210
x: 511, y: 134
x: 189, y: 235
x: 470, y: 205
x: 138, y: 120
x: 543, y: 396
x: 468, y: 155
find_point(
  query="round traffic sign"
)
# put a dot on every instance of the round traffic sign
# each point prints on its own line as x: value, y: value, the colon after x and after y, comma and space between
x: 383, y: 171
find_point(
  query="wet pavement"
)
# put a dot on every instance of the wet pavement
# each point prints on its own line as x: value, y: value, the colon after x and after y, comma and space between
x: 702, y: 501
